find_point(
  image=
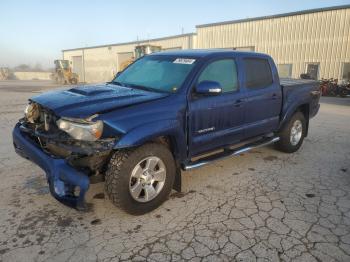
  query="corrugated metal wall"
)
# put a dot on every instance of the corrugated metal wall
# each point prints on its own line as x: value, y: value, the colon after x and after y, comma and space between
x: 294, y: 41
x: 319, y: 37
x: 100, y: 64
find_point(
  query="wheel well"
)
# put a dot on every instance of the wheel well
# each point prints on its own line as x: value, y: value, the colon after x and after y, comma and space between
x: 305, y: 109
x: 169, y: 142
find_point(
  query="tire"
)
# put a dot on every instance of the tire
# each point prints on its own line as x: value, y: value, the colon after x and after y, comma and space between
x: 121, y: 178
x: 343, y: 92
x: 73, y: 81
x: 288, y: 144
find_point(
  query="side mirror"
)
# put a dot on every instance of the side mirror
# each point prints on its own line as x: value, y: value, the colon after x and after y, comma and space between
x: 209, y: 88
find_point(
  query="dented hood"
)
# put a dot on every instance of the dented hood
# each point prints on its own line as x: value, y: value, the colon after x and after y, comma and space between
x: 84, y: 101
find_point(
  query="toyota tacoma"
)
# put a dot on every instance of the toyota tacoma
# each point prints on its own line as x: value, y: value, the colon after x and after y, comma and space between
x: 166, y: 112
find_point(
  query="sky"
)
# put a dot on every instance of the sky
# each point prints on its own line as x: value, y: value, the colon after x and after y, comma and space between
x: 35, y: 32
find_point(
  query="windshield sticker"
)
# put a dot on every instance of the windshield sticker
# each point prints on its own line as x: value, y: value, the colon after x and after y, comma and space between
x: 184, y: 61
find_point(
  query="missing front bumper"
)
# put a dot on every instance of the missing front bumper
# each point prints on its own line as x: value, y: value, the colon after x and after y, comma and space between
x: 66, y: 184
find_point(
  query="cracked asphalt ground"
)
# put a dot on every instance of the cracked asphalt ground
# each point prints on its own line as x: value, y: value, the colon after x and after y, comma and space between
x: 261, y: 206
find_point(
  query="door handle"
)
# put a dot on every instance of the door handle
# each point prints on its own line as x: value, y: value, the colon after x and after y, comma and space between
x: 274, y: 96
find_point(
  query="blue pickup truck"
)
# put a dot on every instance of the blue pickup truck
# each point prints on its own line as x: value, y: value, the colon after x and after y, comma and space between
x: 166, y: 112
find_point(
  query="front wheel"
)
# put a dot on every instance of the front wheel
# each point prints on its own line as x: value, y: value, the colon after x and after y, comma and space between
x: 140, y: 180
x: 292, y: 134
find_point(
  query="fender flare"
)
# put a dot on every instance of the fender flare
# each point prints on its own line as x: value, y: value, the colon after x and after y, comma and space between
x: 286, y: 116
x: 153, y: 130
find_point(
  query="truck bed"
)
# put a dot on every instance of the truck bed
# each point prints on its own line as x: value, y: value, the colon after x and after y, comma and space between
x: 295, y: 90
x: 296, y: 82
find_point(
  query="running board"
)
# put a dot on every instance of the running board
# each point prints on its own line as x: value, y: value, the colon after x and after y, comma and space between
x: 230, y: 152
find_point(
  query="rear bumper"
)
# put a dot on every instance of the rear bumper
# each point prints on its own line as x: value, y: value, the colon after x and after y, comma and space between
x: 63, y: 179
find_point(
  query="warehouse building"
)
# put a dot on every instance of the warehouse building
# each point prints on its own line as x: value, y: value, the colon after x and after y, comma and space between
x: 101, y: 63
x: 314, y: 42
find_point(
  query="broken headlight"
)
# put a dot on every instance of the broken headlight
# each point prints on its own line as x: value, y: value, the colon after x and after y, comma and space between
x: 81, y: 129
x: 32, y: 112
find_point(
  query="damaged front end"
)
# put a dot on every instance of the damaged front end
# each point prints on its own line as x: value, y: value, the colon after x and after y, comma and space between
x: 67, y: 161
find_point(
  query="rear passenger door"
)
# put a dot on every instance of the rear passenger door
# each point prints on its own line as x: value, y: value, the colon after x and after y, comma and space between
x: 263, y: 97
x: 215, y: 120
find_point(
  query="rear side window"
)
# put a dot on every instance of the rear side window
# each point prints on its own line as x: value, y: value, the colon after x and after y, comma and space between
x: 222, y: 71
x: 258, y: 73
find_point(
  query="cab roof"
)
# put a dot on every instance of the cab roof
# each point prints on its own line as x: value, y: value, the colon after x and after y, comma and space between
x: 201, y: 53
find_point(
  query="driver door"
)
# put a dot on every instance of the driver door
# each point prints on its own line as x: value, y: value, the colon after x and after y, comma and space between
x: 215, y: 120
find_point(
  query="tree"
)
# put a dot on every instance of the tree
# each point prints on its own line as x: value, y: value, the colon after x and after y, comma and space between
x: 22, y: 67
x: 38, y: 67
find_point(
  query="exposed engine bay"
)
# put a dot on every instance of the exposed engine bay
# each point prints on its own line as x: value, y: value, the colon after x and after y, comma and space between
x: 87, y: 156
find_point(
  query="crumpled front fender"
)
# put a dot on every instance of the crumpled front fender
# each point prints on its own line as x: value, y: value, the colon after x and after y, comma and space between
x: 152, y: 130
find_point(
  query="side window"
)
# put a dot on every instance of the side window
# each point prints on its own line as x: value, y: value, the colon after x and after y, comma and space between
x: 222, y: 71
x: 258, y: 73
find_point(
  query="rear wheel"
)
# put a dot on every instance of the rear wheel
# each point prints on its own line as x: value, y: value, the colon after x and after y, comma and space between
x: 141, y: 179
x: 292, y: 134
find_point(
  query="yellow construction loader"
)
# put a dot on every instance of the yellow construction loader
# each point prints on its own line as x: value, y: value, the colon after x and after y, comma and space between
x: 140, y: 51
x: 63, y: 73
x: 4, y: 73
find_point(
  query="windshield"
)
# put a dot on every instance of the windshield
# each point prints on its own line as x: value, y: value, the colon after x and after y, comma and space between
x: 158, y: 73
